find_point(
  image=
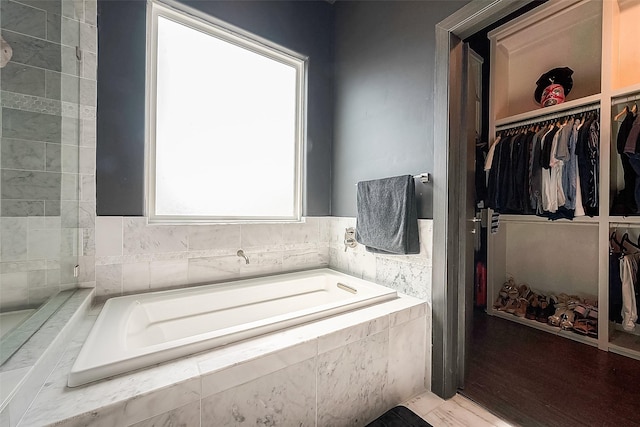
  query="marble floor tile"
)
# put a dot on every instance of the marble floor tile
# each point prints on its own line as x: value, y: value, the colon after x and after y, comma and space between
x: 452, y: 414
x: 479, y: 410
x: 456, y: 412
x: 424, y: 403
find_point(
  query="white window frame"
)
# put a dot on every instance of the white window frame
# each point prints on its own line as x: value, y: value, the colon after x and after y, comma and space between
x: 200, y: 21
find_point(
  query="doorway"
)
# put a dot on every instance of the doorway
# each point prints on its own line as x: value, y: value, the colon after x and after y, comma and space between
x: 450, y: 301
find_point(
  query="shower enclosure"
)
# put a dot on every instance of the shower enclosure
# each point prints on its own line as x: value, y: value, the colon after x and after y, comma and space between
x: 47, y: 101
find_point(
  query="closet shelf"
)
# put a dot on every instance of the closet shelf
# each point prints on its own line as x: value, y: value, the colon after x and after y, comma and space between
x: 626, y: 91
x: 625, y: 344
x: 542, y: 220
x: 554, y: 109
x: 577, y: 337
x: 554, y: 330
x: 622, y: 220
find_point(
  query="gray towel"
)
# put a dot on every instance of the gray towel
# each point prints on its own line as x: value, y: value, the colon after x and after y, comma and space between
x: 387, y: 219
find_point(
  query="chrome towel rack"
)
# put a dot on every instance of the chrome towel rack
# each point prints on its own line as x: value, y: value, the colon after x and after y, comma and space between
x: 424, y: 177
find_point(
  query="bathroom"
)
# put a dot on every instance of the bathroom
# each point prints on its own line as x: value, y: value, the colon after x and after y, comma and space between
x: 76, y: 63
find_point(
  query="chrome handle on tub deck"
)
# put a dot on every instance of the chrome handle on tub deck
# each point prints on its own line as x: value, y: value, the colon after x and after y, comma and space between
x: 347, y: 288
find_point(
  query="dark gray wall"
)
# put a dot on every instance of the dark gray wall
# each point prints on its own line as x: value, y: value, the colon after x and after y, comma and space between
x: 383, y: 113
x: 121, y: 108
x: 302, y: 26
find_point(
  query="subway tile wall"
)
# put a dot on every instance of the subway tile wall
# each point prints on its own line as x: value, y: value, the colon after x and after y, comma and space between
x: 47, y: 147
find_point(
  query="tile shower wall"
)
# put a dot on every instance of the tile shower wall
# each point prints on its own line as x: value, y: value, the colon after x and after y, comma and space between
x: 47, y: 156
x: 133, y: 256
x: 48, y: 100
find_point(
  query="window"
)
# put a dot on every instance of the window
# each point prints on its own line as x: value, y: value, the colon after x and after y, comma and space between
x: 226, y: 123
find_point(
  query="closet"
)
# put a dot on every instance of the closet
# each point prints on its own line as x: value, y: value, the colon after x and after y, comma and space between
x: 598, y: 41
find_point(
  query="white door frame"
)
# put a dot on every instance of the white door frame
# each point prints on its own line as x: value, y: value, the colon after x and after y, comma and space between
x: 447, y: 244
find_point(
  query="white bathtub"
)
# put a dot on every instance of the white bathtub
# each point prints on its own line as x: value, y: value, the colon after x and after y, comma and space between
x: 137, y: 331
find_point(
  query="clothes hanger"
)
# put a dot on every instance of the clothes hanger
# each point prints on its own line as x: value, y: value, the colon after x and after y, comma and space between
x: 618, y: 245
x: 625, y: 239
x: 621, y: 114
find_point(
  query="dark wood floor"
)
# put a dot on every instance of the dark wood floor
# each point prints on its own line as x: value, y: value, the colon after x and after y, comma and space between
x: 532, y: 378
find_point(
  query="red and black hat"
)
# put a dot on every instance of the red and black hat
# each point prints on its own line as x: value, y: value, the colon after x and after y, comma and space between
x: 561, y: 76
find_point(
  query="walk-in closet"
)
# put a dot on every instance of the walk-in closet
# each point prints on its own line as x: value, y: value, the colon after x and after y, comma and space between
x: 561, y: 196
x: 560, y: 248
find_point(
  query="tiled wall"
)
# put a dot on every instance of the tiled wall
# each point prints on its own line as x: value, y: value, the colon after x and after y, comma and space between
x: 133, y: 256
x: 409, y: 274
x: 48, y: 110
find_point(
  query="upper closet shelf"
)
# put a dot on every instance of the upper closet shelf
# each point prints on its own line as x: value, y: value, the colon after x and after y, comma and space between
x: 626, y: 91
x: 565, y: 33
x: 547, y: 111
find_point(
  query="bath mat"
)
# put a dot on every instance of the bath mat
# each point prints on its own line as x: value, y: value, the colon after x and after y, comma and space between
x: 400, y: 416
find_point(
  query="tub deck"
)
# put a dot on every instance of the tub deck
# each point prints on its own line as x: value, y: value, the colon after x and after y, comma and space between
x: 233, y: 374
x: 138, y: 331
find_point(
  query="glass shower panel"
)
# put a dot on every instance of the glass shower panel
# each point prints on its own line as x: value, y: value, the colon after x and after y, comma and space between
x: 39, y: 141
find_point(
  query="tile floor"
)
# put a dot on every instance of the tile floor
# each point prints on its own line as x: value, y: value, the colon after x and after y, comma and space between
x: 456, y: 412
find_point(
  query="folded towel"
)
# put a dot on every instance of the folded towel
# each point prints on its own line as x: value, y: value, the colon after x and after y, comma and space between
x: 387, y: 220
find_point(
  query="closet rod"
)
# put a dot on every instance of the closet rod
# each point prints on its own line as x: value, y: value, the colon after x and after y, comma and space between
x: 624, y: 224
x: 543, y: 118
x: 625, y: 99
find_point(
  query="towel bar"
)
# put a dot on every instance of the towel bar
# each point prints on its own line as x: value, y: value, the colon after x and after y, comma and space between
x: 424, y: 177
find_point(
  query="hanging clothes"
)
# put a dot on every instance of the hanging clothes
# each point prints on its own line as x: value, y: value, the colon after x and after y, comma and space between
x: 628, y: 274
x: 631, y: 147
x: 626, y: 196
x: 535, y: 173
x: 570, y: 171
x: 615, y: 286
x: 550, y: 171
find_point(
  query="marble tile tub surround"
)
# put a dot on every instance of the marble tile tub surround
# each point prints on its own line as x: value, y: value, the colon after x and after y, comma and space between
x: 24, y: 374
x: 408, y: 274
x: 133, y: 256
x: 307, y: 374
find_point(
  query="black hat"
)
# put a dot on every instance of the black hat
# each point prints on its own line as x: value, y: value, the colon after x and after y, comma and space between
x: 561, y: 76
